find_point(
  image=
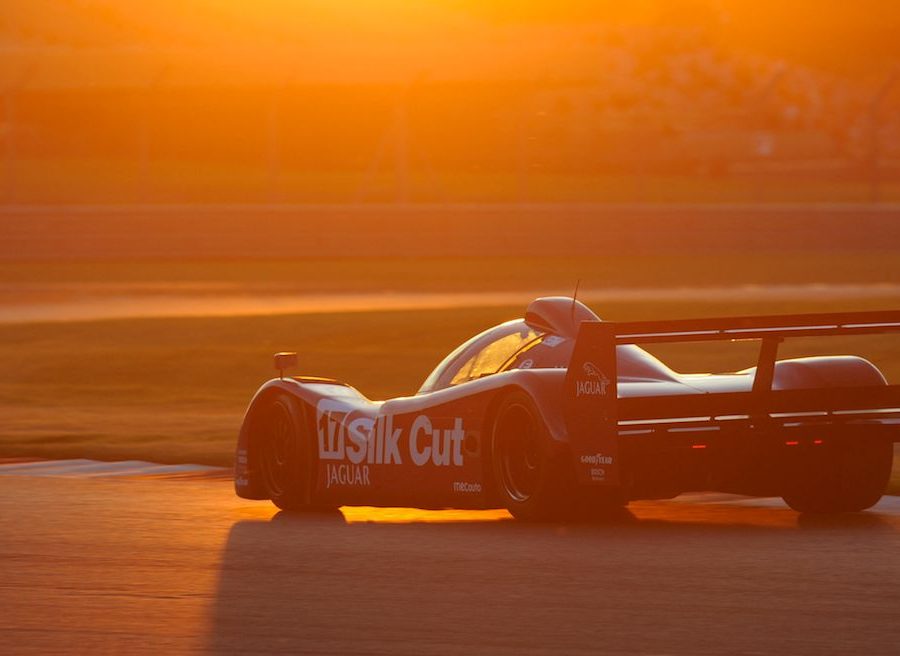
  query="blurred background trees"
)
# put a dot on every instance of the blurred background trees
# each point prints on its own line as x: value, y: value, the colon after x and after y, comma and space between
x: 202, y: 101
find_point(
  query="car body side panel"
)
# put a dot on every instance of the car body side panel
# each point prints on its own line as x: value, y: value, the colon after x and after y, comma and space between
x: 428, y: 450
x: 429, y: 455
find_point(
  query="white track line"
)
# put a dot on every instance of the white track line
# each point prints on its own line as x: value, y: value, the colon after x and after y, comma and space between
x: 84, y: 468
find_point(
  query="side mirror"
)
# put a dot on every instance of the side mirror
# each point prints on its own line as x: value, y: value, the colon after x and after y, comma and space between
x: 284, y: 361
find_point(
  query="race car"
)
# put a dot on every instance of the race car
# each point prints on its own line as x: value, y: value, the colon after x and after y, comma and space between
x: 560, y: 415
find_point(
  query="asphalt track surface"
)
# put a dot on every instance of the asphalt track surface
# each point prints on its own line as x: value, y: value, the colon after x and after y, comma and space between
x: 154, y: 564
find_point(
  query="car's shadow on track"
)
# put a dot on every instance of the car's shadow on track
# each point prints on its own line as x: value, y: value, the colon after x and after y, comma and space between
x: 308, y: 582
x: 324, y: 581
x: 641, y: 516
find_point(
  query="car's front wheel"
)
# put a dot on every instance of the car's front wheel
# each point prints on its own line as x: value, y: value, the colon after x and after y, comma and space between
x: 284, y: 453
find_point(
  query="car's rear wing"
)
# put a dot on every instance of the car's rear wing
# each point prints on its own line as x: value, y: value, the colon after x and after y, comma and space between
x: 597, y: 418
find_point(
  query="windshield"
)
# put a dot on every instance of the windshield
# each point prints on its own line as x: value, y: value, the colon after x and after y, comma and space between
x: 489, y: 359
x: 516, y: 345
x: 481, y: 356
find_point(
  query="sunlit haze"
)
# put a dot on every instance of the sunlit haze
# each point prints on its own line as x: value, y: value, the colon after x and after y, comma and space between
x: 423, y: 327
x: 324, y: 101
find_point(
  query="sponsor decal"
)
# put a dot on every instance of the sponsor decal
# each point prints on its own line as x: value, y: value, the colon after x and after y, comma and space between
x: 346, y: 475
x: 593, y: 459
x: 464, y: 487
x: 595, y: 382
x: 553, y: 340
x: 438, y: 449
x: 349, y: 442
x: 526, y: 364
x: 241, y: 478
x: 596, y: 459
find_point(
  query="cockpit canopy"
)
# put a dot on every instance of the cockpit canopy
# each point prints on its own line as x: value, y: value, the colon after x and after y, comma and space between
x: 544, y: 339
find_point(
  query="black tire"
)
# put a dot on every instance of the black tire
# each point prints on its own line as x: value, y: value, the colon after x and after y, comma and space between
x: 530, y: 478
x: 844, y: 476
x: 285, y: 453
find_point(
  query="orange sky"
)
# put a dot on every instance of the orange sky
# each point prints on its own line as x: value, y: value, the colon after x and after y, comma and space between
x: 78, y: 42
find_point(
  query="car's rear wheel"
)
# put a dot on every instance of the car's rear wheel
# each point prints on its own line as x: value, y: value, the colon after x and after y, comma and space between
x: 284, y: 452
x: 840, y: 476
x: 529, y: 478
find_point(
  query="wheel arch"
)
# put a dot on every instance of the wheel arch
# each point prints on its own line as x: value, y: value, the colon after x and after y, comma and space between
x: 247, y: 480
x: 546, y: 394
